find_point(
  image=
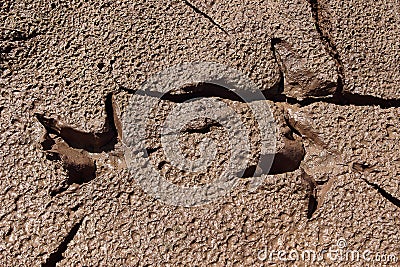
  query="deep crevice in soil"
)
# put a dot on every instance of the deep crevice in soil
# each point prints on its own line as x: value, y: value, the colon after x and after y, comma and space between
x: 212, y: 90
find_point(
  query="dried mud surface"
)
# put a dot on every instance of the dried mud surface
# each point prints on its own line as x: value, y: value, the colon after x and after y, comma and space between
x: 328, y: 69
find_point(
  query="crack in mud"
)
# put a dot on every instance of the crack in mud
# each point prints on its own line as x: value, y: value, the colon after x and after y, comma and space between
x: 198, y: 11
x: 192, y: 91
x: 57, y: 256
x: 395, y: 201
x: 312, y: 195
x: 317, y: 192
x: 347, y: 99
x: 331, y: 47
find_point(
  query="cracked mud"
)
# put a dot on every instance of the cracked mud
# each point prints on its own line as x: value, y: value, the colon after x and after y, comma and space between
x: 327, y: 69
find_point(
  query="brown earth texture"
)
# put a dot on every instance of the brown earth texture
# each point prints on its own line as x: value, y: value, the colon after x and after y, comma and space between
x: 200, y: 133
